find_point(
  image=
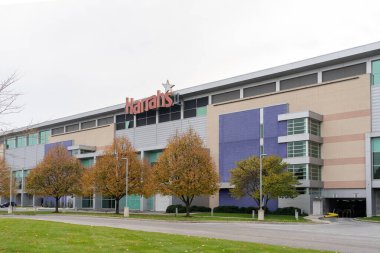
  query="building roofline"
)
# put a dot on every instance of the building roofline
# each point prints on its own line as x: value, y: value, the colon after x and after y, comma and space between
x: 310, y: 63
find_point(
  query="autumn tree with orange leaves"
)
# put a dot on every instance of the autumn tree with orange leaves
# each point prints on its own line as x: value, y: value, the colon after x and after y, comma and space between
x: 57, y: 175
x: 108, y: 175
x: 4, y: 178
x: 185, y: 169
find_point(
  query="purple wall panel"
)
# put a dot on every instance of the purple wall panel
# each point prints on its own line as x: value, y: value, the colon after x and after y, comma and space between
x: 239, y: 138
x: 225, y: 199
x: 66, y: 144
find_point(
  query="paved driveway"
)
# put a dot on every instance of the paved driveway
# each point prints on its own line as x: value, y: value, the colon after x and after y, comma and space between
x: 342, y: 236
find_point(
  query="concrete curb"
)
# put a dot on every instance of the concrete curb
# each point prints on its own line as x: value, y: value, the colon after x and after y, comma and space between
x: 317, y: 219
x: 369, y: 221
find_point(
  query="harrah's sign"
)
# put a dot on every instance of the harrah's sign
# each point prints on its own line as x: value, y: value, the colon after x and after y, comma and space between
x: 161, y: 99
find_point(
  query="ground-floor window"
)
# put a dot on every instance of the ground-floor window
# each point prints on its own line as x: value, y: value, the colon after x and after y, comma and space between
x: 87, y: 202
x: 108, y: 202
x: 376, y: 157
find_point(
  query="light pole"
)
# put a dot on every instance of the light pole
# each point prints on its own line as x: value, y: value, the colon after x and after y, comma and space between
x: 261, y: 211
x: 126, y: 209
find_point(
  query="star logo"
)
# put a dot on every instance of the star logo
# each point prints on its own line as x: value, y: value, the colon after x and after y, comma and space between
x: 167, y: 86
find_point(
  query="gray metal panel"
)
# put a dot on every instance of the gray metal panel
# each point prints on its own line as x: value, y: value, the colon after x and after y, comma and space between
x: 260, y: 89
x: 299, y: 81
x: 375, y: 94
x: 146, y: 137
x: 24, y: 158
x: 226, y: 96
x: 353, y: 70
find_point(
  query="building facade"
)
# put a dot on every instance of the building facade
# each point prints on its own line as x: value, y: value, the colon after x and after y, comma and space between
x: 321, y: 115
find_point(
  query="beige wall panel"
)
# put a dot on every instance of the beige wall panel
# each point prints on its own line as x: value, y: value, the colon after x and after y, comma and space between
x: 101, y: 136
x: 346, y: 126
x: 343, y: 149
x: 336, y: 97
x: 351, y: 172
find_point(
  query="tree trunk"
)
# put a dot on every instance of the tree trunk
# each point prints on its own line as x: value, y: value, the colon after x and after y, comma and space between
x: 56, y: 204
x: 117, y: 206
x: 187, y: 204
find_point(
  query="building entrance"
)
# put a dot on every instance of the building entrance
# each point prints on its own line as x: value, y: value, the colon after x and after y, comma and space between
x: 348, y: 208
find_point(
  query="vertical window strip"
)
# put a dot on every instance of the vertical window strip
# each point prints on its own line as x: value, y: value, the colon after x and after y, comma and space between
x: 376, y: 72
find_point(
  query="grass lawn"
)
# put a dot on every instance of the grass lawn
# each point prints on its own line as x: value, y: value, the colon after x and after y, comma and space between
x: 19, y: 235
x: 375, y: 218
x: 196, y: 217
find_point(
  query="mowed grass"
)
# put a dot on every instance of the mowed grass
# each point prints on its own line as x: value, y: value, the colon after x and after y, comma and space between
x: 20, y: 235
x: 374, y: 219
x: 196, y: 217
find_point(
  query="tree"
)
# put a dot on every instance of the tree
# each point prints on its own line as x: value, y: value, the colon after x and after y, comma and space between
x: 4, y: 178
x: 57, y: 175
x: 185, y: 169
x: 109, y: 173
x: 8, y: 96
x: 277, y: 181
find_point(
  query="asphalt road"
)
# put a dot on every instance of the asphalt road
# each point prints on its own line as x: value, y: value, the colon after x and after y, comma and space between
x: 343, y: 236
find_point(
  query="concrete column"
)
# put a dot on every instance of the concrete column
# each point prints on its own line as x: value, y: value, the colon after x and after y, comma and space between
x: 368, y: 169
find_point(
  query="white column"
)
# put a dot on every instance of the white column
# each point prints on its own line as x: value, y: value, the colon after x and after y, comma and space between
x: 22, y: 187
x: 142, y: 197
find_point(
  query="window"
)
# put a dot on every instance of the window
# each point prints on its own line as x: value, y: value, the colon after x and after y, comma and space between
x: 33, y: 139
x: 146, y: 118
x: 376, y: 157
x: 314, y: 172
x: 376, y: 72
x: 314, y: 127
x: 226, y: 96
x: 314, y: 149
x: 299, y: 81
x: 296, y: 126
x: 315, y: 191
x: 88, y: 124
x: 58, y: 130
x: 21, y: 141
x: 88, y: 162
x: 298, y: 171
x: 169, y: 113
x: 124, y: 121
x: 195, y: 107
x: 72, y: 128
x: 44, y: 136
x: 108, y: 202
x: 11, y: 143
x: 353, y: 70
x: 17, y: 175
x: 105, y: 121
x: 301, y: 190
x: 297, y: 149
x: 87, y: 202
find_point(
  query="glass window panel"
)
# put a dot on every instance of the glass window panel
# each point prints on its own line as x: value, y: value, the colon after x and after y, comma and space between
x: 108, y: 202
x: 298, y: 171
x: 151, y: 113
x: 120, y: 126
x: 129, y: 117
x: 151, y: 120
x: 175, y: 108
x: 376, y: 172
x: 71, y: 128
x: 58, y: 130
x: 163, y: 118
x: 297, y: 149
x: 33, y: 139
x: 11, y: 143
x: 315, y: 172
x: 190, y: 104
x: 376, y: 145
x: 44, y: 136
x: 314, y: 149
x: 190, y: 113
x: 175, y: 115
x: 202, y: 111
x: 141, y: 115
x: 21, y: 141
x: 141, y: 122
x: 120, y: 118
x: 87, y: 202
x: 88, y: 124
x: 376, y: 72
x: 105, y: 121
x: 296, y: 126
x: 376, y: 158
x: 129, y: 124
x: 315, y: 127
x: 202, y: 102
x: 163, y: 110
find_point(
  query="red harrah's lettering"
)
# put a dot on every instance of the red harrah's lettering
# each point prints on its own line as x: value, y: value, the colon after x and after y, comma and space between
x: 150, y: 103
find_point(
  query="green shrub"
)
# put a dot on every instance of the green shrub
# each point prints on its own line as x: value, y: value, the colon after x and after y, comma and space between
x: 171, y: 209
x: 200, y: 209
x: 227, y: 209
x: 287, y: 211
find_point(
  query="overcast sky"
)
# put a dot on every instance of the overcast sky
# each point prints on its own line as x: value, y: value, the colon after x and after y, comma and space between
x: 76, y: 56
